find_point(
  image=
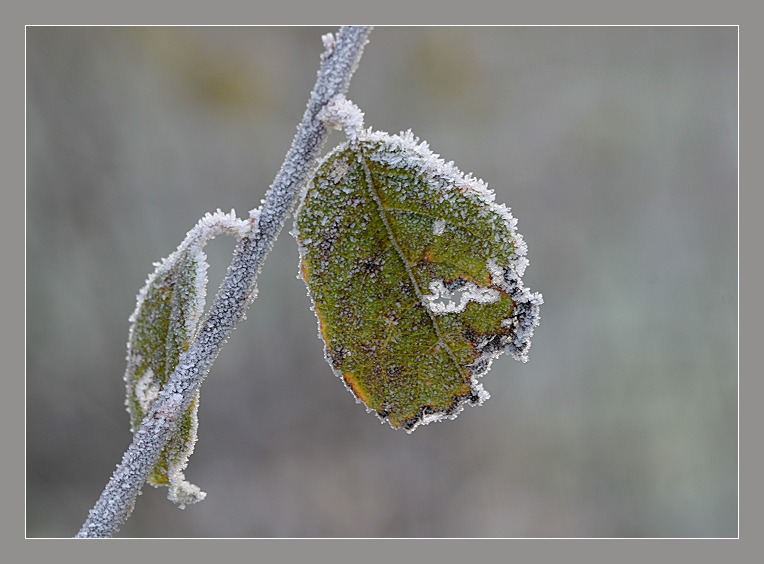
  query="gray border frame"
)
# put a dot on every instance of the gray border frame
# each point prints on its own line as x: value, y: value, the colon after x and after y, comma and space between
x: 596, y: 13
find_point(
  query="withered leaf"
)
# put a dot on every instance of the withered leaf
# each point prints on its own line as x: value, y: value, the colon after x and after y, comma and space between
x: 165, y: 321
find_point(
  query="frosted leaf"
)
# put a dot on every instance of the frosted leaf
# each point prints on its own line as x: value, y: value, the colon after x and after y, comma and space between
x: 165, y: 321
x: 415, y: 277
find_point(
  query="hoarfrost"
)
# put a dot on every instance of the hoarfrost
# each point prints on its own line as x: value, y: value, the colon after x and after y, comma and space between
x: 254, y: 219
x: 439, y: 301
x: 439, y: 226
x: 339, y: 172
x: 183, y: 492
x: 329, y: 44
x: 340, y: 113
x: 526, y: 316
x: 146, y: 389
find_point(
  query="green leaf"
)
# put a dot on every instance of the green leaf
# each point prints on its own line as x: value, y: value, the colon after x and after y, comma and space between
x: 415, y: 277
x: 163, y: 325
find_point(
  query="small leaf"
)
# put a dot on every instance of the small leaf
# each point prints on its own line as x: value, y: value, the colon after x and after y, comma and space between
x: 415, y: 277
x: 163, y: 325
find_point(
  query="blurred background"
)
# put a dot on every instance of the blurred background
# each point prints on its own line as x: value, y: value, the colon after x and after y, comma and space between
x: 616, y: 148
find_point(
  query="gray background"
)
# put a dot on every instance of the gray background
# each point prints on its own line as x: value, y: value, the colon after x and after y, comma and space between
x: 616, y: 149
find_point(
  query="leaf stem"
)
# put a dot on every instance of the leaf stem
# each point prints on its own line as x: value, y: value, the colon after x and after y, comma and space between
x: 236, y: 292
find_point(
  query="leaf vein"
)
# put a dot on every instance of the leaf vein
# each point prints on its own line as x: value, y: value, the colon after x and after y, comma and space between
x: 393, y: 240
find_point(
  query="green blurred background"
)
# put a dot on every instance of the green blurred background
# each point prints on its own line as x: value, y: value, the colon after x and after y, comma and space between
x: 616, y: 149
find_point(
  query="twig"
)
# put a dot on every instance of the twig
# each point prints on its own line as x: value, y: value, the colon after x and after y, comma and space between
x: 236, y: 293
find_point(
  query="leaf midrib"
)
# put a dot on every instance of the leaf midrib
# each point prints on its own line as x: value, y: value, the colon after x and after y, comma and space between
x: 383, y: 216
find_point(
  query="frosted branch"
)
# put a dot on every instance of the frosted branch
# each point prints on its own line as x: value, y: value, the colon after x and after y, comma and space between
x: 236, y: 293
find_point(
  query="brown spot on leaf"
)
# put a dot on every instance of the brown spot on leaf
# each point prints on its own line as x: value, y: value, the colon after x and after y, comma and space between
x: 394, y: 371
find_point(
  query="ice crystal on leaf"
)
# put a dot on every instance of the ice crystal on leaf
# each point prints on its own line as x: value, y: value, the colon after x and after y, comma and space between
x: 414, y: 273
x: 439, y: 301
x: 343, y: 114
x: 162, y: 327
x: 439, y: 226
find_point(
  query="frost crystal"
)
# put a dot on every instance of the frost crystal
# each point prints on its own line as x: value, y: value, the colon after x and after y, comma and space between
x: 329, y: 45
x: 182, y: 492
x: 439, y: 300
x: 344, y: 115
x: 146, y: 390
x: 439, y: 227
